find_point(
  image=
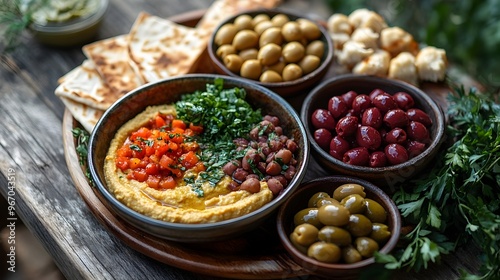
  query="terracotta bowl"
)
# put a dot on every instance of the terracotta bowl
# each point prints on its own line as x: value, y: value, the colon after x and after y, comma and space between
x: 388, y: 176
x: 289, y: 88
x: 167, y: 92
x: 299, y: 200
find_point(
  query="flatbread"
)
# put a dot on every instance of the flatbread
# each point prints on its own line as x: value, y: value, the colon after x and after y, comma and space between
x: 85, y: 115
x: 112, y: 61
x: 162, y: 48
x: 85, y: 85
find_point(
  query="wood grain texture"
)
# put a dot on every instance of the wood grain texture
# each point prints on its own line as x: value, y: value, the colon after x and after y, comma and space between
x: 31, y: 143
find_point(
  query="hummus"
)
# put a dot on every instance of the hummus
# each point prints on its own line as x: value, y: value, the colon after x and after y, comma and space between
x: 180, y: 204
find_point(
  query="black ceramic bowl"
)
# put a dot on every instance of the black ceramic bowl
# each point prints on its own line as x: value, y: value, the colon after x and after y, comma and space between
x: 167, y: 92
x: 286, y: 88
x: 299, y: 200
x: 384, y: 177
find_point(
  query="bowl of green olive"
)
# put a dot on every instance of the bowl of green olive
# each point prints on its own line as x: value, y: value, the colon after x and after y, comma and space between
x: 284, y: 52
x: 332, y: 226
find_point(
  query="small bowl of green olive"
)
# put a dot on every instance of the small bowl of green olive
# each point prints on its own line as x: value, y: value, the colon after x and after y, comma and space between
x: 332, y: 226
x: 284, y: 52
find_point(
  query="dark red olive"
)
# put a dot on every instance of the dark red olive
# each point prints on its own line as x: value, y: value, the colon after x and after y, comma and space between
x: 322, y: 118
x: 347, y: 126
x: 361, y: 103
x: 396, y: 135
x: 348, y: 97
x: 415, y: 148
x: 337, y: 107
x: 404, y: 100
x: 372, y: 117
x: 357, y: 156
x: 323, y: 136
x: 376, y: 92
x: 378, y: 159
x: 396, y: 118
x: 338, y: 147
x: 396, y: 154
x: 417, y: 131
x: 418, y: 115
x: 369, y: 137
x: 384, y: 102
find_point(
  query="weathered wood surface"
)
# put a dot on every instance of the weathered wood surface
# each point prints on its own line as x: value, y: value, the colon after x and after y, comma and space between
x: 31, y: 144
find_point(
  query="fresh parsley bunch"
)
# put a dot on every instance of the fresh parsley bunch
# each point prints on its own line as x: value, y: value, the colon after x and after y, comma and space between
x: 460, y: 199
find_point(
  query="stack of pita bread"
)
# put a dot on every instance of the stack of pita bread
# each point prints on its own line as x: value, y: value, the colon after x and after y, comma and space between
x: 155, y: 49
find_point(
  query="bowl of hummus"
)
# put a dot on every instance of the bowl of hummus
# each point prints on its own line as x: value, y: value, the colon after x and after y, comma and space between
x: 198, y: 157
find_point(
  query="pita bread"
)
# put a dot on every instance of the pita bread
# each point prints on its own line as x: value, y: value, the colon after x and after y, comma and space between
x: 111, y: 60
x: 85, y: 115
x: 84, y: 84
x: 162, y: 48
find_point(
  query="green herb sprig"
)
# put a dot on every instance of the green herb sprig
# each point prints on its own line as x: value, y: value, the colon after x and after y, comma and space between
x: 460, y: 199
x: 82, y: 141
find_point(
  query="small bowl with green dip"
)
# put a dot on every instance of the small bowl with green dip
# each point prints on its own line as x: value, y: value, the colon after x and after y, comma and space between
x: 66, y: 23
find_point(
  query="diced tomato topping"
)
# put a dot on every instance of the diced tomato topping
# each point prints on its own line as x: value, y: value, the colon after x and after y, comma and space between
x: 167, y: 183
x: 140, y: 175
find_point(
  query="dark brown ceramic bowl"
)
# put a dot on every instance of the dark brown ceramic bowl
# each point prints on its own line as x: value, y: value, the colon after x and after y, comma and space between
x: 285, y: 89
x: 167, y: 92
x: 384, y: 177
x: 299, y: 200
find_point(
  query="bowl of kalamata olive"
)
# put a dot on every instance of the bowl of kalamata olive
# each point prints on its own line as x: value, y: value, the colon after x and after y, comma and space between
x: 382, y: 130
x: 282, y: 51
x: 332, y: 226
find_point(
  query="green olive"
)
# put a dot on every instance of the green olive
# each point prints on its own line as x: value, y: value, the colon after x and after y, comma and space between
x: 224, y: 50
x: 243, y: 22
x: 291, y: 31
x: 354, y: 203
x: 301, y: 248
x: 304, y: 234
x: 315, y: 197
x: 351, y: 255
x: 374, y: 211
x: 324, y: 252
x: 277, y: 67
x: 270, y: 76
x: 245, y: 39
x: 233, y: 62
x: 309, y: 29
x: 260, y: 18
x: 293, y: 52
x: 326, y: 200
x: 271, y: 35
x: 251, y: 69
x: 279, y: 20
x: 308, y: 215
x: 309, y: 63
x: 291, y: 72
x: 262, y: 26
x: 333, y: 215
x: 359, y: 225
x: 316, y: 48
x: 348, y: 189
x: 225, y: 34
x: 336, y: 235
x: 366, y: 246
x: 380, y: 233
x: 269, y: 54
x: 248, y: 54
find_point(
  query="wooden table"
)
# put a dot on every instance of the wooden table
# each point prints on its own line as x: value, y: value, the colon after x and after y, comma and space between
x: 31, y: 152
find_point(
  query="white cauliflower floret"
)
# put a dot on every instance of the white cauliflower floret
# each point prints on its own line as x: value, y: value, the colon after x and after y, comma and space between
x: 396, y: 40
x: 339, y: 39
x: 402, y: 67
x: 431, y: 64
x: 352, y: 53
x: 358, y: 16
x: 362, y: 18
x: 376, y: 64
x: 339, y: 23
x: 366, y: 36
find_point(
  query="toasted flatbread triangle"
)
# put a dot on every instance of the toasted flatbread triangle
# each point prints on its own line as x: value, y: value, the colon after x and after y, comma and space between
x: 112, y: 61
x: 162, y: 48
x: 85, y: 85
x: 85, y: 115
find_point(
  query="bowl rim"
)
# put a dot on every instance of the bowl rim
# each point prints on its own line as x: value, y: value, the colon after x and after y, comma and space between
x: 393, y: 212
x: 326, y: 62
x: 437, y: 140
x: 257, y: 214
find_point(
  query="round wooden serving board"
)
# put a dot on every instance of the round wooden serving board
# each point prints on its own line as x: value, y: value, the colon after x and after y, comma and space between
x: 257, y: 254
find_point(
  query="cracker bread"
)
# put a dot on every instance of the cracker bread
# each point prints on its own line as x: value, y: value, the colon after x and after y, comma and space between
x: 85, y: 115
